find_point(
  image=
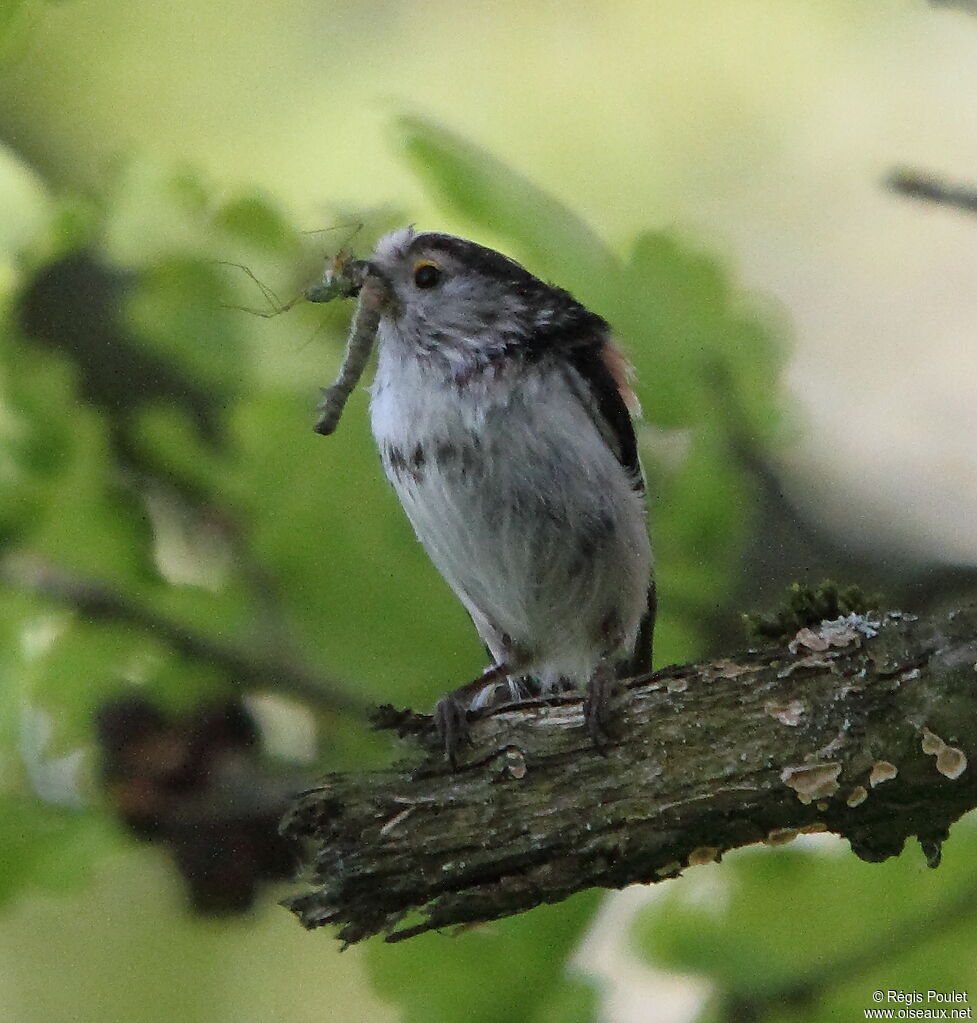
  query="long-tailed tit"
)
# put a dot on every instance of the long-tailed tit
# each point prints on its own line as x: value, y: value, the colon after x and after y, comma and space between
x: 502, y: 412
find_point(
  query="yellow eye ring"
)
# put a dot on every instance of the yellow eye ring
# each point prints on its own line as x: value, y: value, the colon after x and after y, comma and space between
x: 426, y: 274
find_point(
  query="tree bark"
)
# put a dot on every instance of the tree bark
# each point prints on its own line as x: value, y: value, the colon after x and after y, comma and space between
x: 860, y: 727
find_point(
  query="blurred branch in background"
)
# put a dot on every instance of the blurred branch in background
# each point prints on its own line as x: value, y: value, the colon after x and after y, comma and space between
x: 246, y: 669
x: 970, y: 6
x: 921, y: 185
x: 838, y: 730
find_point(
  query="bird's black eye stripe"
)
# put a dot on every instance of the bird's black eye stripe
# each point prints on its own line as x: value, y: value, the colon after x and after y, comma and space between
x: 426, y: 274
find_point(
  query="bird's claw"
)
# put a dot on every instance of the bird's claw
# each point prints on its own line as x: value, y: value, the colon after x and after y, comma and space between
x: 597, y: 705
x: 451, y: 722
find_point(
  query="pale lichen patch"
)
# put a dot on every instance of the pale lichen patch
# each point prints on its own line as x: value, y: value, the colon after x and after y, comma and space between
x: 812, y: 782
x: 839, y: 632
x: 882, y: 771
x: 671, y: 869
x: 857, y: 796
x: 780, y: 836
x: 828, y: 749
x: 951, y: 762
x: 515, y: 762
x: 811, y: 661
x: 814, y: 828
x: 807, y: 638
x: 397, y: 819
x: 724, y: 669
x: 703, y: 854
x: 786, y: 713
x: 932, y: 743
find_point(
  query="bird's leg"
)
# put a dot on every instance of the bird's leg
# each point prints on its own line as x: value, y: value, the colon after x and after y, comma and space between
x: 451, y: 711
x: 597, y: 715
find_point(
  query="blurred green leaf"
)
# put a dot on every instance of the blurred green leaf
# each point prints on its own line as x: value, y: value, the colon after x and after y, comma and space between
x: 27, y: 207
x: 705, y: 352
x: 59, y: 494
x: 482, y: 190
x: 256, y: 220
x: 176, y: 307
x: 511, y: 969
x: 49, y: 847
x: 42, y: 844
x: 700, y: 516
x: 765, y: 920
x: 16, y: 19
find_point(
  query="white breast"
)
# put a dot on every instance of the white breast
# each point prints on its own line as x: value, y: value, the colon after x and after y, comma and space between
x: 522, y: 507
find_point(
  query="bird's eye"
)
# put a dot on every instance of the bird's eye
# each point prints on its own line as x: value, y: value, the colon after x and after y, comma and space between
x: 426, y: 274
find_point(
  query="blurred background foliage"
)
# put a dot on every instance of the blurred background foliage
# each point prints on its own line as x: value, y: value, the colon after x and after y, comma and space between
x: 200, y: 598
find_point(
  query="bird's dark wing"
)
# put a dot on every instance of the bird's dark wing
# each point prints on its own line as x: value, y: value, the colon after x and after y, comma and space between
x: 602, y: 396
x: 639, y: 663
x: 600, y: 393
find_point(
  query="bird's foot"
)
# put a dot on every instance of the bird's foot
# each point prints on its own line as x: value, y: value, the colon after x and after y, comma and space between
x: 598, y: 704
x: 451, y: 711
x: 451, y: 722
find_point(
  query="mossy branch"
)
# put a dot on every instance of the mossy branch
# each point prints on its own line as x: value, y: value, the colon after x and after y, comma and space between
x: 862, y: 727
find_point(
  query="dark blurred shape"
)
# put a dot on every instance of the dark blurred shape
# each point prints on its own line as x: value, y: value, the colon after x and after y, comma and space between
x: 919, y: 185
x: 75, y: 305
x: 970, y: 6
x: 196, y: 784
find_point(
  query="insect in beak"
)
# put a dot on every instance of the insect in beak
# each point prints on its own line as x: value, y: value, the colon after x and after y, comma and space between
x: 349, y: 279
x: 343, y: 278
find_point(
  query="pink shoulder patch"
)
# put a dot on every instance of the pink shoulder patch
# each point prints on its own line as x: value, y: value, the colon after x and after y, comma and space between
x: 623, y: 372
